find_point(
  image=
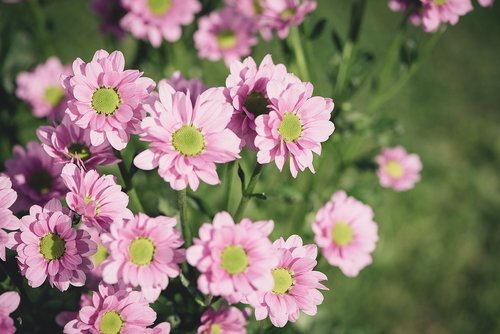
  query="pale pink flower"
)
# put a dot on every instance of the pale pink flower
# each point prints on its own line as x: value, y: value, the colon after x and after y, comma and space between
x: 234, y: 260
x: 7, y: 219
x: 436, y: 12
x: 194, y: 87
x: 187, y: 140
x: 346, y: 233
x: 66, y: 316
x: 398, y: 169
x: 95, y: 276
x: 415, y: 16
x: 107, y: 99
x: 486, y: 3
x: 281, y: 15
x: 9, y: 301
x: 110, y: 13
x: 227, y: 320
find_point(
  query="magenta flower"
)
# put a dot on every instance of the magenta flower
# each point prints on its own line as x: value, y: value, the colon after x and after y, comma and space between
x: 346, y: 233
x: 228, y: 320
x: 35, y: 176
x: 398, y: 169
x: 42, y: 89
x: 435, y: 12
x: 49, y: 247
x: 107, y: 99
x: 143, y: 252
x: 225, y: 34
x: 7, y: 220
x: 97, y: 199
x: 194, y: 87
x: 187, y: 140
x: 155, y: 20
x: 234, y: 260
x: 9, y: 301
x: 296, y: 126
x: 281, y: 15
x: 110, y: 13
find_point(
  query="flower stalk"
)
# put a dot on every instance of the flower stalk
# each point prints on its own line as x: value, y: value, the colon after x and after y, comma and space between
x: 248, y: 191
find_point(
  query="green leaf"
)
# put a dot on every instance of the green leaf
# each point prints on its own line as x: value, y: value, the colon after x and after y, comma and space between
x: 318, y: 29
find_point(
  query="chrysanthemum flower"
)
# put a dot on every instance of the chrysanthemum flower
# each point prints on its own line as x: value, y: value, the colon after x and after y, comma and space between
x: 9, y: 301
x: 435, y: 12
x: 415, y: 16
x: 194, y: 87
x: 143, y: 252
x: 398, y: 169
x: 7, y: 220
x: 35, y: 176
x: 296, y: 126
x: 225, y: 34
x: 107, y: 99
x: 186, y: 140
x: 66, y: 316
x: 346, y: 233
x: 42, y: 89
x: 95, y: 276
x: 281, y: 15
x: 155, y: 20
x: 228, y: 320
x: 110, y: 13
x: 49, y: 247
x: 234, y: 260
x: 97, y: 199
x: 486, y: 3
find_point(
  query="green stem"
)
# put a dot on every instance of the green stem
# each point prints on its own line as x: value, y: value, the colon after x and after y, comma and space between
x: 299, y: 53
x: 247, y: 193
x: 134, y: 201
x: 345, y: 66
x: 229, y: 183
x: 41, y: 28
x: 182, y: 206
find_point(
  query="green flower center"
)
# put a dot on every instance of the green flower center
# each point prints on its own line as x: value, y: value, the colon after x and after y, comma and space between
x: 287, y: 13
x: 77, y: 150
x: 215, y: 329
x: 283, y: 281
x: 257, y: 7
x: 440, y: 2
x: 111, y: 323
x: 52, y: 246
x: 342, y: 234
x: 226, y: 39
x: 142, y: 251
x: 257, y: 103
x: 188, y: 141
x: 394, y: 169
x: 40, y: 181
x: 234, y: 260
x: 290, y: 128
x: 100, y: 255
x: 105, y: 101
x: 53, y: 95
x: 159, y: 7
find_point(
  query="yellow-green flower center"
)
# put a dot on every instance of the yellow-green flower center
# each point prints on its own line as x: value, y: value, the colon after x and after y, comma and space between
x: 291, y: 127
x: 394, y: 169
x: 257, y: 103
x: 52, y: 247
x: 234, y: 260
x: 77, y: 150
x: 53, y: 95
x: 440, y: 2
x: 111, y: 323
x: 342, y: 234
x: 41, y: 181
x: 283, y: 281
x: 226, y: 39
x: 142, y: 251
x: 100, y: 255
x: 257, y: 7
x: 188, y: 141
x: 287, y: 13
x: 215, y: 329
x: 105, y: 101
x: 159, y: 7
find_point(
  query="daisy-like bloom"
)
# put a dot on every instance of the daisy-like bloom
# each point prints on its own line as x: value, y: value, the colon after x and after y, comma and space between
x: 228, y: 320
x: 398, y: 169
x: 296, y: 126
x: 7, y: 220
x: 346, y: 233
x: 281, y: 15
x: 49, y: 247
x: 234, y: 260
x: 186, y: 140
x: 194, y: 87
x: 9, y: 301
x: 225, y: 34
x: 68, y: 143
x: 95, y: 276
x: 143, y: 252
x: 107, y: 99
x: 97, y: 199
x: 110, y: 13
x: 436, y: 12
x: 156, y: 20
x: 41, y: 88
x: 35, y: 176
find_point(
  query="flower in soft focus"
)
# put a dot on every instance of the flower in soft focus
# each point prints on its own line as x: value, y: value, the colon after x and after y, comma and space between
x: 187, y: 140
x: 235, y: 260
x: 110, y: 12
x: 181, y: 84
x: 156, y: 20
x: 295, y: 284
x: 7, y: 220
x: 49, y: 247
x: 415, y: 17
x: 35, y: 176
x: 107, y: 99
x: 9, y: 301
x: 143, y: 252
x: 346, y: 233
x: 281, y: 15
x: 97, y: 199
x: 67, y: 142
x: 225, y: 320
x: 42, y: 89
x: 66, y: 316
x: 486, y: 3
x: 114, y: 311
x: 95, y: 276
x: 225, y: 34
x: 435, y: 12
x: 398, y: 169
x: 296, y: 126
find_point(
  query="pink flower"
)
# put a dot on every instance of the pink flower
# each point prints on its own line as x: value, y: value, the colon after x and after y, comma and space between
x: 415, y: 16
x: 181, y: 84
x: 66, y: 316
x: 110, y: 13
x: 97, y: 199
x: 41, y: 88
x: 398, y: 169
x: 158, y: 20
x: 228, y: 320
x: 435, y: 12
x: 296, y: 126
x: 7, y: 220
x: 346, y: 233
x: 49, y: 247
x: 143, y: 252
x: 187, y: 140
x: 234, y: 260
x: 67, y: 142
x: 107, y: 99
x: 35, y: 176
x: 9, y: 301
x: 225, y: 34
x: 95, y: 276
x: 281, y: 15
x: 486, y: 3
